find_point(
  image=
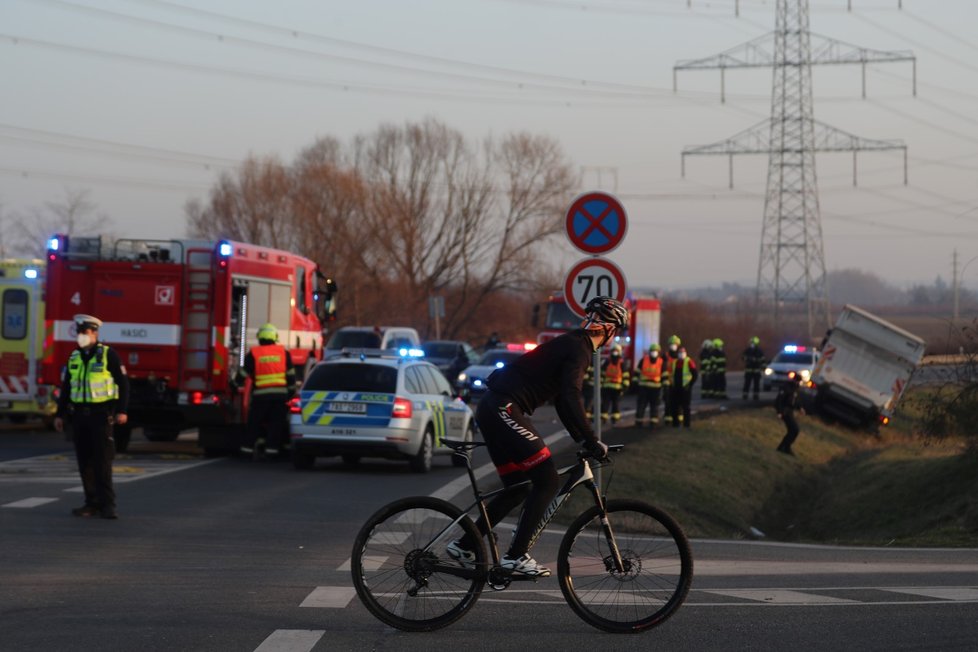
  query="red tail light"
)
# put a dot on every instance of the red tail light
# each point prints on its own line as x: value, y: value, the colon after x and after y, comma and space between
x: 294, y: 406
x: 402, y: 409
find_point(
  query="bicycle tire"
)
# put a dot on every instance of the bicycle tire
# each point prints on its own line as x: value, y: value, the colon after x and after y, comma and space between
x: 659, y: 567
x: 389, y: 560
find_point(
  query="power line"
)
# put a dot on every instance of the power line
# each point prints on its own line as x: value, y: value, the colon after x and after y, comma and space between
x: 29, y: 174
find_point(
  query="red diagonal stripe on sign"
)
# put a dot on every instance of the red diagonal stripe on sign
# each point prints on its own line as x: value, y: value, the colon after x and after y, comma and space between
x: 596, y: 222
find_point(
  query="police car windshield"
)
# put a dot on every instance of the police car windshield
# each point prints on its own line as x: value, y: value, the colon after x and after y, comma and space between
x: 354, y: 340
x: 794, y: 358
x: 356, y: 377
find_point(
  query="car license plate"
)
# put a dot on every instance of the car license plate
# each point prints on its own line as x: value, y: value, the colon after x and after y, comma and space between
x: 349, y: 408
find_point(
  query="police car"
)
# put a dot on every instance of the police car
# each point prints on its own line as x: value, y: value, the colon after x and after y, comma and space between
x: 800, y: 359
x: 471, y: 382
x: 373, y: 403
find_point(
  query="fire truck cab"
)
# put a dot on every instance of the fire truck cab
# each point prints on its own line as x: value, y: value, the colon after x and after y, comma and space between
x: 22, y: 394
x: 182, y: 314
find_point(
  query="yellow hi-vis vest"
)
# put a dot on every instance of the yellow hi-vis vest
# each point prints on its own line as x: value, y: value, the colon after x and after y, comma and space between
x: 91, y: 382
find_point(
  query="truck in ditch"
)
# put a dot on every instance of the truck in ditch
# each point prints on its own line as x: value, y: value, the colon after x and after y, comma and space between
x: 865, y: 365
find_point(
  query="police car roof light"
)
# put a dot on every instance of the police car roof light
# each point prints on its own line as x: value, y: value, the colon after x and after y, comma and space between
x: 794, y: 348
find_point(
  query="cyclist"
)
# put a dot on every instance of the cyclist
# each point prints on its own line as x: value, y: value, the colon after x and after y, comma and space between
x: 552, y: 371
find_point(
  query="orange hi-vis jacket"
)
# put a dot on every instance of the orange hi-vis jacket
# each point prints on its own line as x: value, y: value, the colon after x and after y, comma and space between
x: 614, y: 375
x: 651, y: 371
x: 270, y: 369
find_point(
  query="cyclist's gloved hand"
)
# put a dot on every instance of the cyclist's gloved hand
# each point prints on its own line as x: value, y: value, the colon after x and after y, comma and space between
x: 597, y: 449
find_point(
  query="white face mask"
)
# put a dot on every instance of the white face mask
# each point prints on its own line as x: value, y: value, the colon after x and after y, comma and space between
x: 682, y: 355
x: 654, y: 354
x: 84, y: 340
x: 672, y: 347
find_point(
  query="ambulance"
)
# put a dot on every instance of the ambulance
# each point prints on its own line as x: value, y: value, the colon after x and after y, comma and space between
x: 22, y: 394
x: 182, y: 314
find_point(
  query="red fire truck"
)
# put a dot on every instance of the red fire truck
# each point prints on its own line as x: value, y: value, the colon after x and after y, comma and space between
x: 643, y: 325
x: 182, y: 314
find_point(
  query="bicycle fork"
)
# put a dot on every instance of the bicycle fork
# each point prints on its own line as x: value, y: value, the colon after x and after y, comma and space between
x: 619, y: 563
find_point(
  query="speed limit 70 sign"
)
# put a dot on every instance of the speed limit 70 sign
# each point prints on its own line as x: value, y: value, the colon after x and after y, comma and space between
x: 593, y: 277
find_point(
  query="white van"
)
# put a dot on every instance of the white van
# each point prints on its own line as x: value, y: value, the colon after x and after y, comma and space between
x: 372, y: 337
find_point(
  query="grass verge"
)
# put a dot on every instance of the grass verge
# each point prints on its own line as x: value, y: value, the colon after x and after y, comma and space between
x: 723, y: 477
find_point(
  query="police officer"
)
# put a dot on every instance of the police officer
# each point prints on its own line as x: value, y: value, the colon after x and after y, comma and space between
x: 94, y: 394
x: 272, y: 375
x: 785, y: 404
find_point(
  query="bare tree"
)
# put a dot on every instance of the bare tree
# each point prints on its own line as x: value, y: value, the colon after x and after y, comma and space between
x: 405, y: 213
x: 253, y: 205
x: 76, y: 214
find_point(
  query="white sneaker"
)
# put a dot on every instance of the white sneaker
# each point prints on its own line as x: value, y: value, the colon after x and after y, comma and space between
x: 464, y: 557
x: 524, y: 565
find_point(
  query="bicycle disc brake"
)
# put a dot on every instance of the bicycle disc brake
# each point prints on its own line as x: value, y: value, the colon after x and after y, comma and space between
x: 631, y: 562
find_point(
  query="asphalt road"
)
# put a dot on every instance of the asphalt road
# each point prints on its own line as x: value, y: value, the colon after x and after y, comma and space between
x: 226, y: 554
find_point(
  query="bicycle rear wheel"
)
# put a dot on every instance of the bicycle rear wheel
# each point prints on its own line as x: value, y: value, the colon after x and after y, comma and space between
x: 393, y: 564
x: 657, y: 559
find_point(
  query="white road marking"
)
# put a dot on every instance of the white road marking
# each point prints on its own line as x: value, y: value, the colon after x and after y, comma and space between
x: 29, y: 502
x: 291, y: 640
x: 728, y: 568
x: 778, y: 596
x: 329, y: 597
x: 62, y: 468
x: 955, y: 593
x: 371, y: 563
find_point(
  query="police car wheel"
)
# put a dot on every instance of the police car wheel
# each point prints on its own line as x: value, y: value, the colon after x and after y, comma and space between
x: 421, y: 462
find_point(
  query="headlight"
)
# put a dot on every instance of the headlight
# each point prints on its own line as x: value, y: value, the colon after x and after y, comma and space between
x: 768, y: 371
x: 462, y: 377
x: 805, y: 374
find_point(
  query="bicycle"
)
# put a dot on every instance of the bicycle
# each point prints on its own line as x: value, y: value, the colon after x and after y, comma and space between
x: 623, y: 565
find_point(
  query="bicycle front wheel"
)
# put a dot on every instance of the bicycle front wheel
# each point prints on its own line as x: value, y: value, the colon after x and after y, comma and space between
x: 658, y: 567
x: 395, y: 564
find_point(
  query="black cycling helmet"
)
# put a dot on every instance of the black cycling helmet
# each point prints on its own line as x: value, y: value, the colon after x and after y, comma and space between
x: 605, y: 310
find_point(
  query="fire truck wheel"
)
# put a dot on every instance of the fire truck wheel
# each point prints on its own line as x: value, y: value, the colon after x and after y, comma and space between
x: 121, y: 435
x: 161, y: 433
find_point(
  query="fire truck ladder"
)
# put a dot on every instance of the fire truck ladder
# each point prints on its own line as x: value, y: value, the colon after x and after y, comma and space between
x: 198, y: 309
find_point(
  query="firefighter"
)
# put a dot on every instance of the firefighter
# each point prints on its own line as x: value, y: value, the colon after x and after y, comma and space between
x: 706, y: 369
x: 272, y: 375
x: 682, y: 375
x: 718, y: 368
x: 95, y: 394
x: 672, y: 349
x: 754, y: 362
x: 651, y: 374
x: 614, y: 380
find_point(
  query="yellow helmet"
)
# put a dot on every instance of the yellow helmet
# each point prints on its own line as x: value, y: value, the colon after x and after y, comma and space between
x: 268, y: 332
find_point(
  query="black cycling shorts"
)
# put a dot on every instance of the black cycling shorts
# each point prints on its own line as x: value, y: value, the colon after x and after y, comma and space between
x: 513, y: 443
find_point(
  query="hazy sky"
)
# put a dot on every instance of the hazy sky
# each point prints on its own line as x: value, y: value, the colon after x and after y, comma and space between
x: 144, y: 102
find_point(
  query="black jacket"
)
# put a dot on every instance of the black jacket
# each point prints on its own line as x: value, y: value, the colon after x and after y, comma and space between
x: 552, y: 371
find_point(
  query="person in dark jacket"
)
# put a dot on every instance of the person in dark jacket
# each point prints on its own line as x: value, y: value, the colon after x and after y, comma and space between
x: 754, y: 362
x: 552, y: 371
x: 94, y: 396
x: 785, y: 404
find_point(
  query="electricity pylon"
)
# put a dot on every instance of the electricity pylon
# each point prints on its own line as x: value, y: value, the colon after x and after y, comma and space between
x: 791, y: 268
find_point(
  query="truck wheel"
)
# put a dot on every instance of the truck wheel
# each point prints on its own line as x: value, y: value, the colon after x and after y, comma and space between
x: 161, y: 433
x: 121, y: 435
